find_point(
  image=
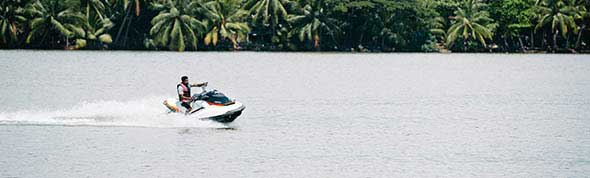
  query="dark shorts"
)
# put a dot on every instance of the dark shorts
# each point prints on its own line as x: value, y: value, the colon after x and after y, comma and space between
x: 186, y: 105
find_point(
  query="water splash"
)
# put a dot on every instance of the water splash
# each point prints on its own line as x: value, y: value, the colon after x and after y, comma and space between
x: 148, y: 112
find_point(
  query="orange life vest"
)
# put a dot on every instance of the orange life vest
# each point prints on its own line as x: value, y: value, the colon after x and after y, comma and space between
x: 186, y: 91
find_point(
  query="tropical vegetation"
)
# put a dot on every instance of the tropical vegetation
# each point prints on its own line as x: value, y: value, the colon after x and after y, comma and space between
x: 298, y: 25
x: 225, y: 21
x: 174, y: 27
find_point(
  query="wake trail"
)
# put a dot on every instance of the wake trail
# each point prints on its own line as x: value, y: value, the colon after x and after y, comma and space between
x: 147, y: 112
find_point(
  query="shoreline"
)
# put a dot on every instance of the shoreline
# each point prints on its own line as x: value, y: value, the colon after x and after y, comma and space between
x: 309, y: 52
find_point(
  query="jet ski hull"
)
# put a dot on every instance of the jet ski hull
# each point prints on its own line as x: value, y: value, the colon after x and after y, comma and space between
x: 228, y: 117
x: 207, y: 111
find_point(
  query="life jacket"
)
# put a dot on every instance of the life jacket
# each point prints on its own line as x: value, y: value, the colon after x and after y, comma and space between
x: 186, y: 91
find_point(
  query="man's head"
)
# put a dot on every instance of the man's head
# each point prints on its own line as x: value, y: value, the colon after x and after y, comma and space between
x: 184, y: 79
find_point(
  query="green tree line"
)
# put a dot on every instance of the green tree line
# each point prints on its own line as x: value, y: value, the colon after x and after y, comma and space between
x: 298, y: 25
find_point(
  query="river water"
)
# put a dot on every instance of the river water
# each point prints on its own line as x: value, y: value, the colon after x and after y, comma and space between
x: 100, y: 114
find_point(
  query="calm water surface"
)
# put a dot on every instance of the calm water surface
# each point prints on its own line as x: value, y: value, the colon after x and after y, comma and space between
x: 100, y: 114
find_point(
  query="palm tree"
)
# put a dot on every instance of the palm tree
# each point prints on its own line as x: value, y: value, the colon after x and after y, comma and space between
x: 130, y: 6
x: 313, y: 22
x: 173, y: 27
x: 559, y: 14
x: 11, y: 20
x: 97, y: 7
x: 54, y: 19
x: 438, y: 28
x: 269, y: 13
x: 387, y: 30
x: 97, y: 31
x: 470, y: 21
x: 98, y: 22
x: 224, y: 18
x: 127, y: 10
x: 583, y: 15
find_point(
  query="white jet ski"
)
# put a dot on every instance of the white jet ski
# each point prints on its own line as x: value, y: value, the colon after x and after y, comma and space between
x: 212, y: 105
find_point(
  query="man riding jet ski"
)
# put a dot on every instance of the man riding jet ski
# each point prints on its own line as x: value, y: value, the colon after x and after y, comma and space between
x: 211, y: 105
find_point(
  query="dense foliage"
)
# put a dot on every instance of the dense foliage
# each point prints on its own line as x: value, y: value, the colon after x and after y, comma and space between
x: 298, y: 25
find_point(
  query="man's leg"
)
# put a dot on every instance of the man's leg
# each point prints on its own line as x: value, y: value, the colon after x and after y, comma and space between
x: 187, y: 106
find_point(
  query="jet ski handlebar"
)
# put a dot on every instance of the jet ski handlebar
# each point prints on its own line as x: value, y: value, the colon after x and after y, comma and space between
x: 203, y: 91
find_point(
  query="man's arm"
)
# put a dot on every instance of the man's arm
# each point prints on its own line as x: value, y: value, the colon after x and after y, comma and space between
x: 186, y: 98
x: 199, y: 84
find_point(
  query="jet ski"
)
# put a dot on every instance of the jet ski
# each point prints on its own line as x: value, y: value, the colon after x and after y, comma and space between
x: 211, y: 105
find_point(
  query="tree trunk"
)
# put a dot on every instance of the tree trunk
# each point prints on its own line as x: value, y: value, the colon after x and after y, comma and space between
x: 464, y: 45
x: 554, y: 41
x: 506, y: 45
x: 87, y: 10
x: 67, y: 42
x: 580, y: 36
x: 234, y: 42
x: 13, y: 30
x: 137, y: 8
x: 361, y: 39
x: 43, y: 38
x: 316, y: 41
x: 117, y: 39
x: 521, y: 44
x: 274, y: 32
x: 127, y: 30
x: 533, y: 39
x: 382, y: 43
x: 567, y: 41
x: 544, y: 40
